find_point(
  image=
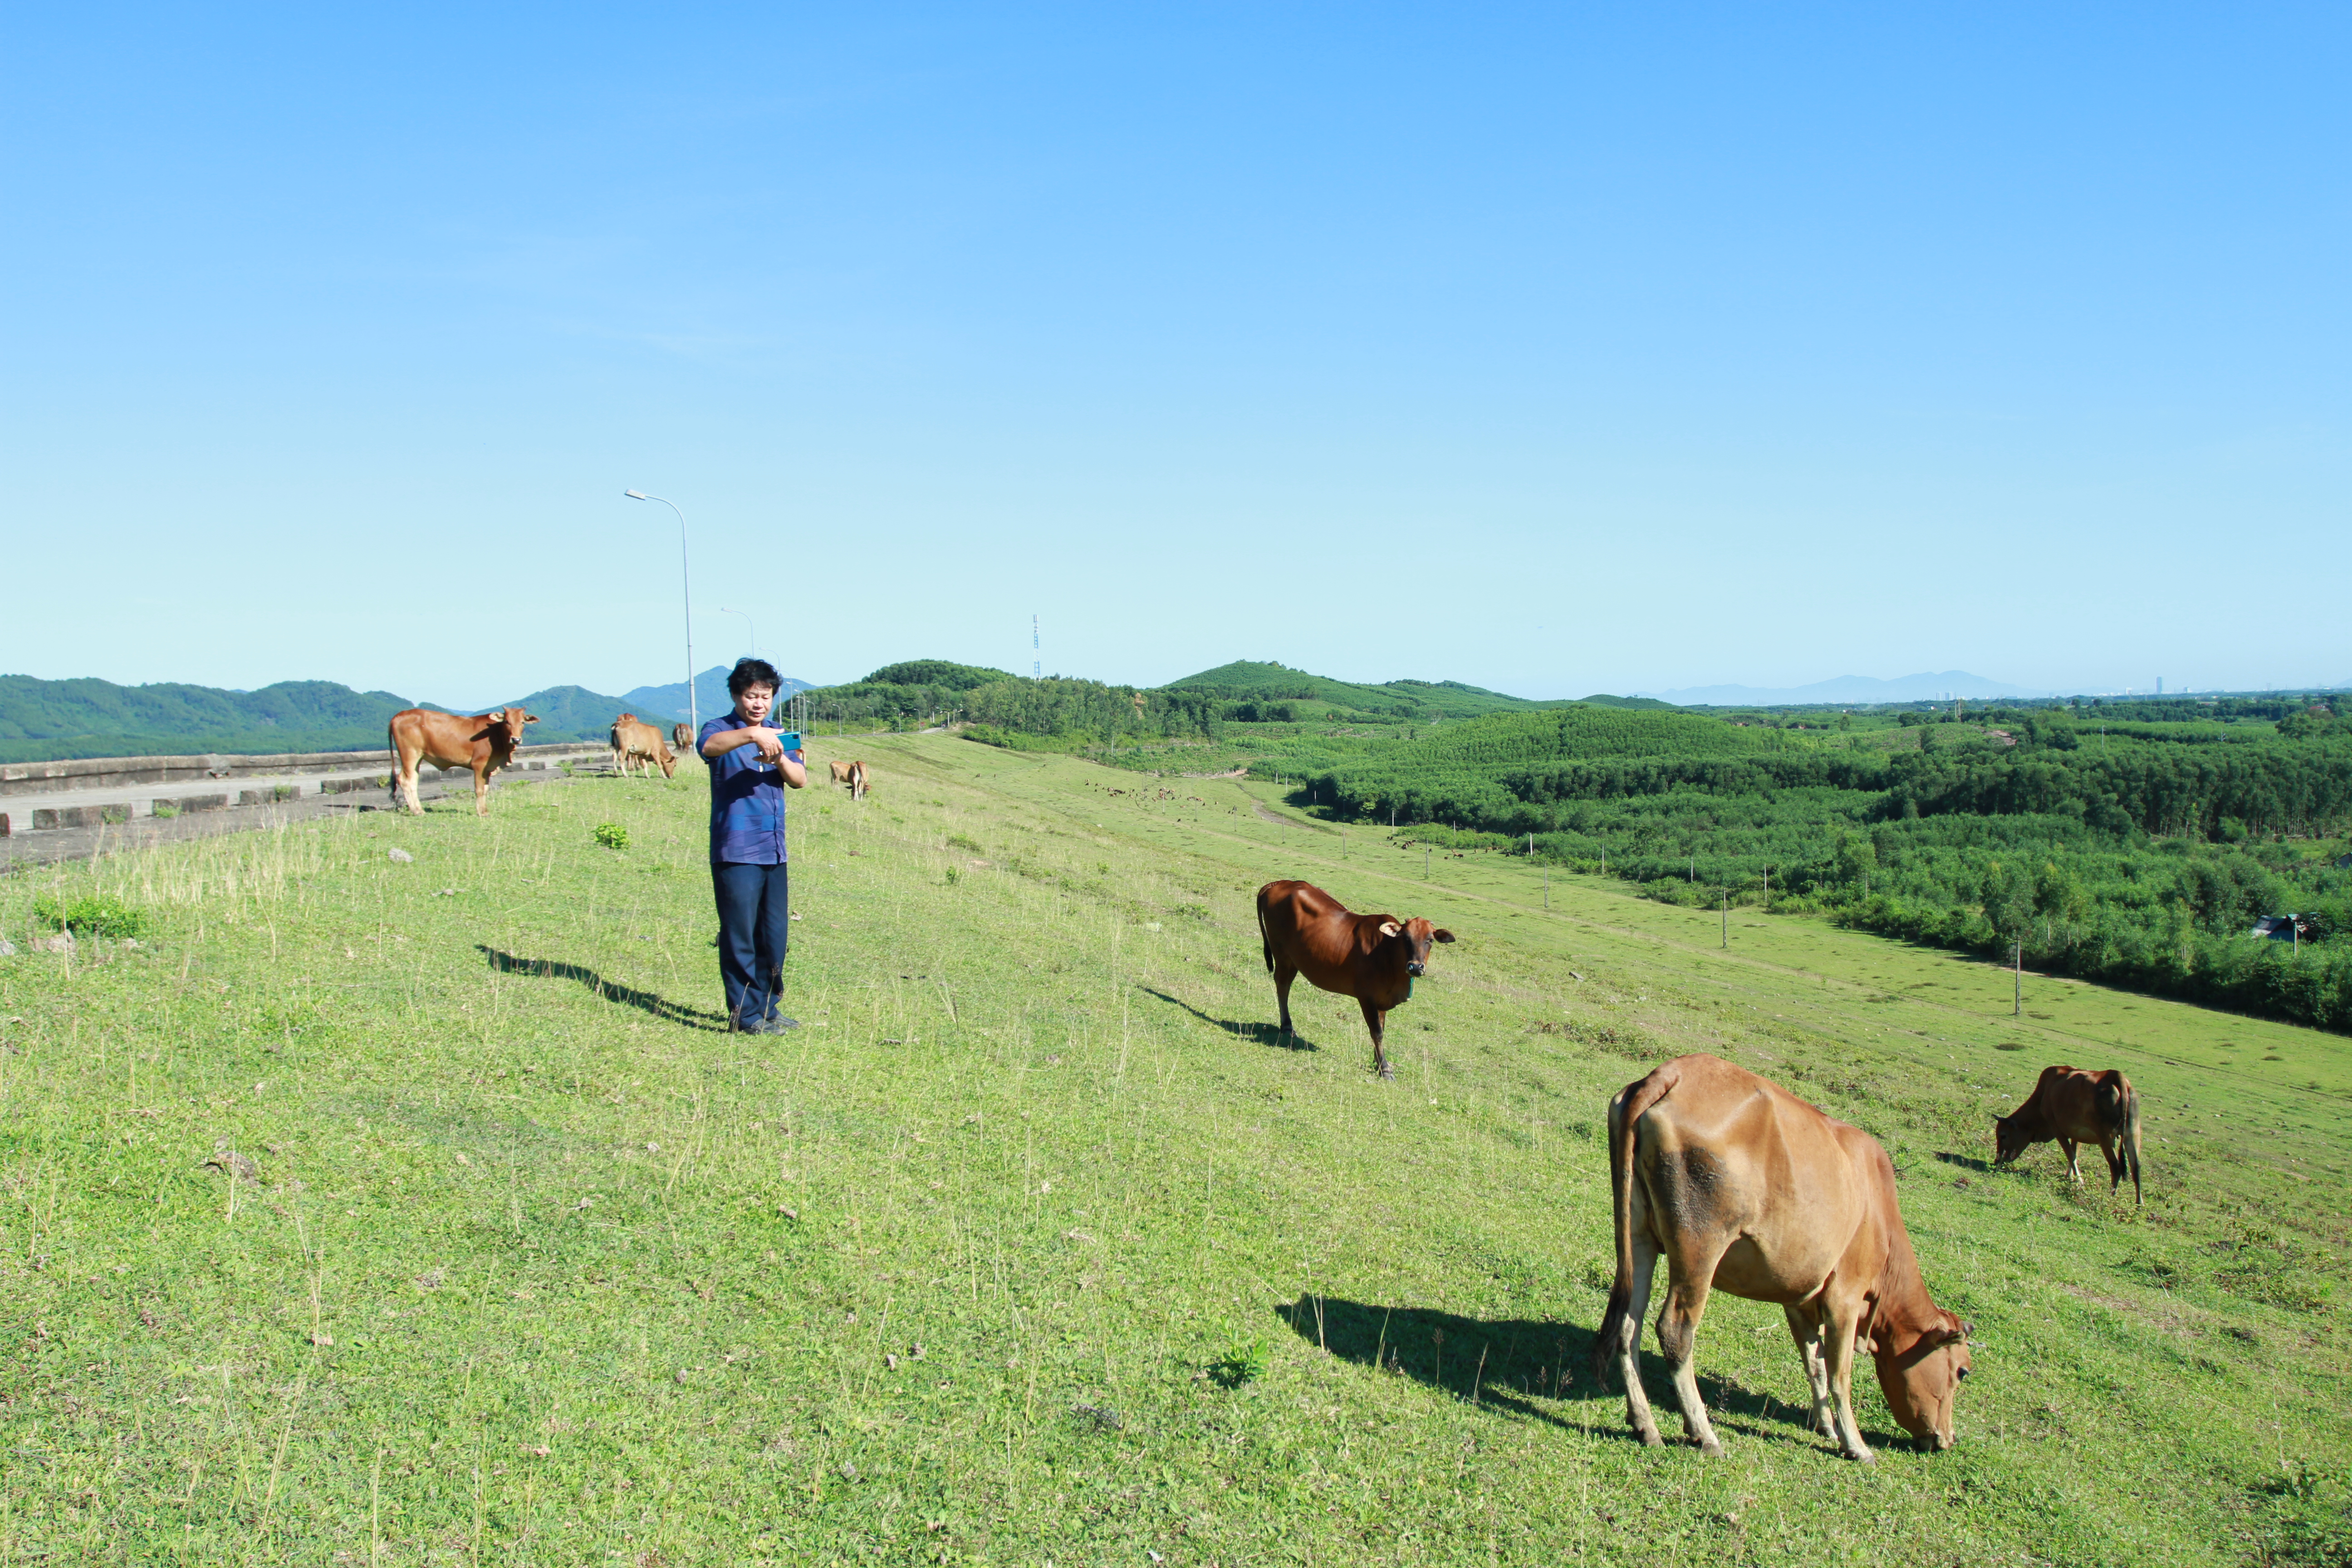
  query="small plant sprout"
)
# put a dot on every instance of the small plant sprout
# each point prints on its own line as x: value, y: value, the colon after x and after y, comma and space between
x: 612, y: 836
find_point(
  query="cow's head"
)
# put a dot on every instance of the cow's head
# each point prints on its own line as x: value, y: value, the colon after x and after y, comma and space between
x: 2008, y: 1139
x: 1414, y: 937
x: 507, y: 729
x: 1920, y: 1371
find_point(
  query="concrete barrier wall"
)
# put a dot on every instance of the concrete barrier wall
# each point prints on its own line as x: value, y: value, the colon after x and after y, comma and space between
x: 102, y: 790
x: 80, y: 774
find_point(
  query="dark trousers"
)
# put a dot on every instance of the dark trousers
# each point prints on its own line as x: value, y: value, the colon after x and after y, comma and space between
x: 754, y: 931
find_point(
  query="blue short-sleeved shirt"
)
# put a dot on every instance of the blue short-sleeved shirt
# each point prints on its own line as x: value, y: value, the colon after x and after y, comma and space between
x: 747, y: 802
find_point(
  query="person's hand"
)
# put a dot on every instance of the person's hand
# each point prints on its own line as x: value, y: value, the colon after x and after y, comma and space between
x: 771, y: 744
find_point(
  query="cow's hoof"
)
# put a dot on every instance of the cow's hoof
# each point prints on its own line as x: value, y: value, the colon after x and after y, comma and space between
x: 1710, y: 1449
x: 1649, y: 1436
x: 1864, y: 1457
x: 1388, y: 1073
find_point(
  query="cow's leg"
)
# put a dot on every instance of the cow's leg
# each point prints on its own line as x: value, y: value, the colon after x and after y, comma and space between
x: 2073, y: 1160
x: 1688, y: 1278
x: 1374, y: 1018
x: 1629, y: 1338
x: 1842, y: 1319
x: 481, y: 791
x: 1806, y: 1328
x: 1282, y: 975
x: 406, y: 788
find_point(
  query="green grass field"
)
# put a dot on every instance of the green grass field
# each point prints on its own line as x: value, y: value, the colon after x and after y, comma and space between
x: 1035, y: 1243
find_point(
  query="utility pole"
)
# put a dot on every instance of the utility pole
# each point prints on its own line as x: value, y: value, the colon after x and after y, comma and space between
x: 2017, y: 983
x: 1547, y: 887
x: 1726, y: 919
x: 1424, y: 862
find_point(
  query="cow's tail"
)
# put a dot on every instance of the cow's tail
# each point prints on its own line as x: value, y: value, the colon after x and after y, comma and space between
x: 392, y: 745
x: 1265, y: 937
x: 2129, y: 1117
x: 1632, y: 1103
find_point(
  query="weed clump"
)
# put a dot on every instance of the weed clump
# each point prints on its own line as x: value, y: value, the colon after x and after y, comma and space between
x: 1244, y: 1361
x: 611, y: 834
x: 92, y: 914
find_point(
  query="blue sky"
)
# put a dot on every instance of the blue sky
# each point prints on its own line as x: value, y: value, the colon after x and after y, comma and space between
x: 1556, y: 348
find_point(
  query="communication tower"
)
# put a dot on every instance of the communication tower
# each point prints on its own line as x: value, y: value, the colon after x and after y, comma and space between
x: 1037, y: 664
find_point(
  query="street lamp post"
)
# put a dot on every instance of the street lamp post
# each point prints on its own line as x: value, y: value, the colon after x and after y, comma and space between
x: 686, y: 582
x: 749, y: 629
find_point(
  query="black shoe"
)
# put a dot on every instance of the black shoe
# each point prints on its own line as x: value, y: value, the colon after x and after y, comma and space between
x: 777, y: 1025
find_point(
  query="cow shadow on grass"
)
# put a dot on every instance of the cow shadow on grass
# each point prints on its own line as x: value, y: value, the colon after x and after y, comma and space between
x: 646, y: 1002
x: 1528, y: 1366
x: 1261, y: 1034
x: 1964, y: 1162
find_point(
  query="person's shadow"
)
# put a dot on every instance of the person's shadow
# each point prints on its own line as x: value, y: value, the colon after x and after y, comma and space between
x: 644, y: 1002
x: 1510, y: 1363
x: 1263, y: 1034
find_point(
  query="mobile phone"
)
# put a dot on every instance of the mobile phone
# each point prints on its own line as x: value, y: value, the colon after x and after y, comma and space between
x: 790, y: 740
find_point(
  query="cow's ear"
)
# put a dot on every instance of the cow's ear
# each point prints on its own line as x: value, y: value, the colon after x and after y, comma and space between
x: 531, y: 718
x: 1389, y: 927
x: 1441, y: 934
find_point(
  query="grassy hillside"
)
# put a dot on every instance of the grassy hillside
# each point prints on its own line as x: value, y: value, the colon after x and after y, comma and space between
x: 1034, y: 1243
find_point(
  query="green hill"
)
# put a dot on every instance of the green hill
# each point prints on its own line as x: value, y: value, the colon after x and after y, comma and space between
x: 1250, y: 681
x: 50, y: 721
x: 572, y: 713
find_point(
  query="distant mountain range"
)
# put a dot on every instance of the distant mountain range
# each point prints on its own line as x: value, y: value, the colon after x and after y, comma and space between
x: 49, y: 720
x: 710, y: 694
x: 1851, y: 690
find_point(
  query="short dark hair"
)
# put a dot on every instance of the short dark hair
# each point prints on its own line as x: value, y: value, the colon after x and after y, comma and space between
x: 750, y: 672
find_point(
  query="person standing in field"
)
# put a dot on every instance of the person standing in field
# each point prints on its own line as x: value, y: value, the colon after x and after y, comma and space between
x: 749, y: 766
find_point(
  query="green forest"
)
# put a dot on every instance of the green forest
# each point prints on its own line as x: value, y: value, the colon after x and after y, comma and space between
x: 2141, y: 856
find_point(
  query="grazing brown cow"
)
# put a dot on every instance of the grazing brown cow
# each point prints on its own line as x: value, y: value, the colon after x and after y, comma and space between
x: 1746, y: 1188
x: 1372, y: 958
x: 482, y: 742
x: 636, y: 742
x: 681, y: 734
x: 2076, y: 1106
x: 852, y: 774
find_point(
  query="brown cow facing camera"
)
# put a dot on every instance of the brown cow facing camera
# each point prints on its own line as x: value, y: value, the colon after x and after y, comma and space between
x: 1372, y: 958
x: 482, y: 742
x: 1742, y: 1187
x: 2076, y: 1106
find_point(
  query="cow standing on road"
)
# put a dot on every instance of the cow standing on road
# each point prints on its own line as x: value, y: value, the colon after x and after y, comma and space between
x: 482, y: 742
x: 1745, y: 1188
x: 2076, y: 1106
x: 1372, y: 958
x: 636, y: 742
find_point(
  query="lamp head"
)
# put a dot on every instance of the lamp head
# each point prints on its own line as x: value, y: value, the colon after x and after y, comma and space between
x: 635, y: 495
